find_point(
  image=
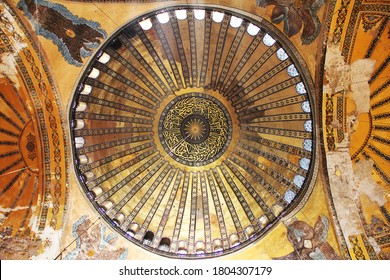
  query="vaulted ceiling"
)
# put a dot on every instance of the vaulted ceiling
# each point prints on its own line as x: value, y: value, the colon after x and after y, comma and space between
x: 192, y: 130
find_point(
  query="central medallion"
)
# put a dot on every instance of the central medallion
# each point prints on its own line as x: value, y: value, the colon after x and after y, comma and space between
x: 195, y: 129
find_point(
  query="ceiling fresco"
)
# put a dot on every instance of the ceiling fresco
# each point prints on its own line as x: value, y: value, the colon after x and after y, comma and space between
x: 223, y: 128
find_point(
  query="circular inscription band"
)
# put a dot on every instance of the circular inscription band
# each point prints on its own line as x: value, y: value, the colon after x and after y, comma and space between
x: 195, y: 129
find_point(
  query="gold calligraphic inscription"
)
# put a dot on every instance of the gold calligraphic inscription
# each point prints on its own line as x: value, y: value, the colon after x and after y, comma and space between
x: 194, y: 129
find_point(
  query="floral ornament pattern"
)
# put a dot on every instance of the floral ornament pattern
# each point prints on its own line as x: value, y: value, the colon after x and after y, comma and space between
x: 310, y: 243
x: 295, y: 14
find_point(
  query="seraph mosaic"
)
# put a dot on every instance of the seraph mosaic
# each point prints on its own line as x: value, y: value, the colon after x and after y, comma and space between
x: 93, y: 243
x: 75, y: 37
x: 310, y: 243
x: 296, y: 14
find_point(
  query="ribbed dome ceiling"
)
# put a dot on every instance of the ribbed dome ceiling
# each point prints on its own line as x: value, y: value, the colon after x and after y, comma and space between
x: 193, y: 130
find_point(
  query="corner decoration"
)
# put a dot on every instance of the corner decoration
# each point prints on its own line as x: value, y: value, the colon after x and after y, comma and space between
x: 75, y: 37
x: 295, y: 14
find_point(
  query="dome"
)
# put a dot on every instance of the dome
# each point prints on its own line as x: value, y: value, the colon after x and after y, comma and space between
x: 193, y: 130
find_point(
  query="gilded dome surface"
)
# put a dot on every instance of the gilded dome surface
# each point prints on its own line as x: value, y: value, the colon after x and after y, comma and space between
x: 193, y: 130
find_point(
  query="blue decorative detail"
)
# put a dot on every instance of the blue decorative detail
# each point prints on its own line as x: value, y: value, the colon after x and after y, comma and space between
x: 84, y: 53
x: 308, y: 125
x: 92, y: 45
x: 307, y: 145
x: 105, y: 240
x: 123, y: 256
x: 292, y: 71
x: 281, y: 54
x: 304, y: 163
x: 74, y: 253
x: 306, y: 106
x: 300, y: 87
x: 289, y: 196
x: 299, y: 180
x: 317, y: 254
x: 298, y: 234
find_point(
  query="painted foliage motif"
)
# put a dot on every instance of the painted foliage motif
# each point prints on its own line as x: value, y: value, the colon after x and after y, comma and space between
x: 296, y: 14
x: 75, y: 37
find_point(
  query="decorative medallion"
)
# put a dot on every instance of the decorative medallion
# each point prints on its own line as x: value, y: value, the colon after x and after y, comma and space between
x: 31, y: 147
x: 193, y: 130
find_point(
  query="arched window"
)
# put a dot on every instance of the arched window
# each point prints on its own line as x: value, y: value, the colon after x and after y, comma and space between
x: 148, y: 238
x: 165, y: 244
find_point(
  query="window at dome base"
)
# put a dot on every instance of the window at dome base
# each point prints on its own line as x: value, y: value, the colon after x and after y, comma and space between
x: 194, y: 130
